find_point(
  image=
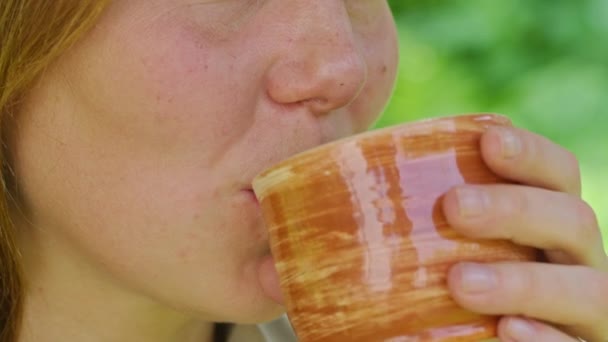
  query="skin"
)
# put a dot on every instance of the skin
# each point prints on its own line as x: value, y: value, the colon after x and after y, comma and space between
x: 552, y: 301
x: 135, y: 152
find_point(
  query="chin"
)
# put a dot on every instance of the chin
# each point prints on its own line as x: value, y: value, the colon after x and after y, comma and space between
x: 259, y: 310
x: 266, y: 315
x: 251, y: 313
x: 240, y: 303
x: 252, y: 306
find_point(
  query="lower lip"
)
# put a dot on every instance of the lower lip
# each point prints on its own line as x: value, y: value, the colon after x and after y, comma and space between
x: 252, y: 196
x: 269, y: 280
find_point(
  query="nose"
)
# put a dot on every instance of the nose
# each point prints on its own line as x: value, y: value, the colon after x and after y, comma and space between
x: 319, y: 65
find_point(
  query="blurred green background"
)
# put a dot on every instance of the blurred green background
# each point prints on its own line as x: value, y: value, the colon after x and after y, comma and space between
x: 543, y: 63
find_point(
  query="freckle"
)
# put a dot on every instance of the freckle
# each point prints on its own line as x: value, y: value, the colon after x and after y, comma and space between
x: 182, y: 254
x: 341, y: 84
x: 206, y: 66
x: 158, y: 98
x: 383, y: 69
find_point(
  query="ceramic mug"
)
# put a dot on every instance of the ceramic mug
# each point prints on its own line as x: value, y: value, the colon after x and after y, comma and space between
x: 358, y: 235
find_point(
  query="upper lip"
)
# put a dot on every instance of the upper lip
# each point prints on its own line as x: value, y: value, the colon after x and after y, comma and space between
x: 315, y: 138
x: 248, y: 186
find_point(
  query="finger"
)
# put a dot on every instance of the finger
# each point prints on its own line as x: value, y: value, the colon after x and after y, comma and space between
x: 530, y: 159
x: 519, y: 329
x: 528, y: 216
x: 566, y: 295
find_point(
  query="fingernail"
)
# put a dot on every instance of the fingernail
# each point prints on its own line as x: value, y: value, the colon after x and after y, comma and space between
x: 510, y: 144
x: 519, y: 329
x: 476, y: 278
x: 472, y: 202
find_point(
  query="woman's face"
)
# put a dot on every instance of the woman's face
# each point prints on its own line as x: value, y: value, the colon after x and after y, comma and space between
x: 136, y: 151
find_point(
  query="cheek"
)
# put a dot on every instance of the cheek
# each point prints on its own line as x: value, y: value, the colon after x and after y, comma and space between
x: 162, y: 219
x: 380, y: 48
x: 168, y: 93
x: 131, y: 158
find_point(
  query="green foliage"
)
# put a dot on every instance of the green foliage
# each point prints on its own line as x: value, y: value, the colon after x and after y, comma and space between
x: 543, y: 63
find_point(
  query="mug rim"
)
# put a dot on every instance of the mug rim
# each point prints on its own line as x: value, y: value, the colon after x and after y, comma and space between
x: 474, y: 117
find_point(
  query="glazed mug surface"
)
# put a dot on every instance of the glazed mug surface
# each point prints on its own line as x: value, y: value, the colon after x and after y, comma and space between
x: 359, y: 238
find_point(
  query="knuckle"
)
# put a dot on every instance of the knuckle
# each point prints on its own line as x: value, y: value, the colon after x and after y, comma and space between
x: 572, y: 160
x: 519, y: 205
x: 511, y: 208
x: 529, y: 152
x: 571, y: 164
x: 530, y: 285
x: 506, y: 207
x: 598, y: 284
x: 517, y: 285
x: 588, y: 227
x: 600, y: 289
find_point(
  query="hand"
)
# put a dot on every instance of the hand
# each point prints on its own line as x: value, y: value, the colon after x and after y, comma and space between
x: 558, y: 300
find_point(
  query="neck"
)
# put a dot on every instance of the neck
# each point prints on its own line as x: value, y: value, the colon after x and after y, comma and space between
x: 67, y: 299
